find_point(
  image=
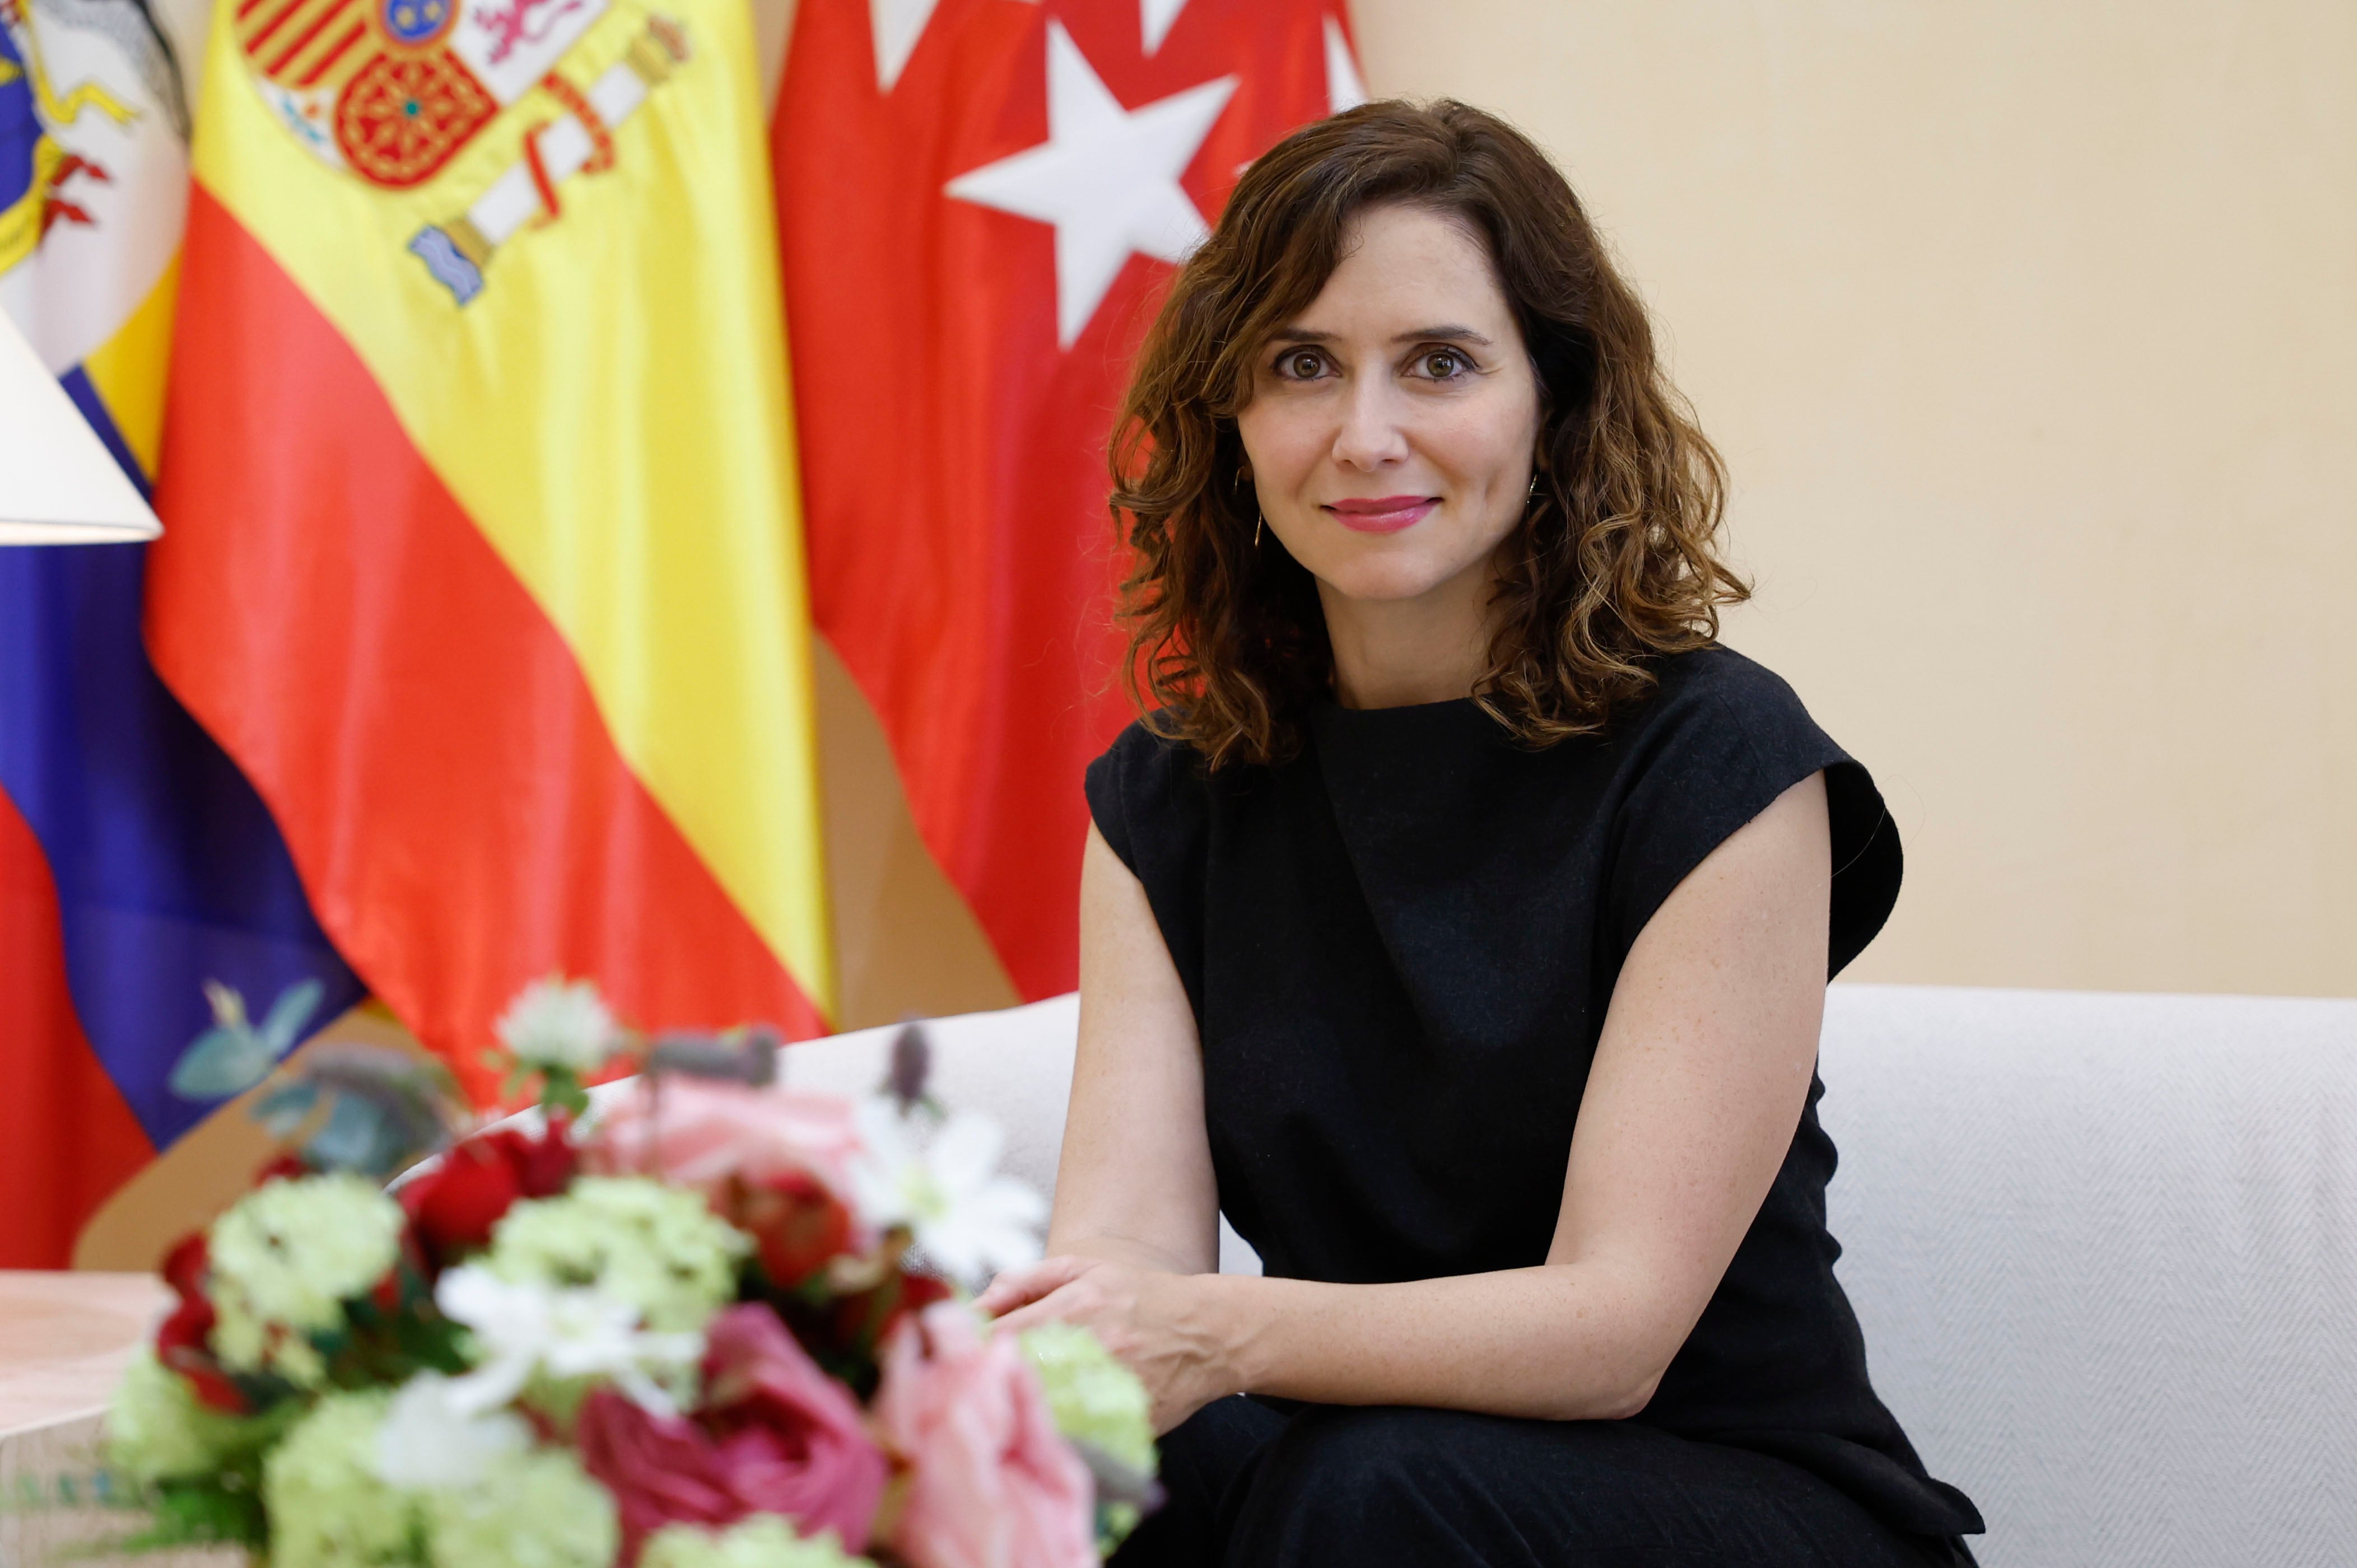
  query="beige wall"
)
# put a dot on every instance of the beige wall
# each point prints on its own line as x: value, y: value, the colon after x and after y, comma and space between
x: 2029, y: 330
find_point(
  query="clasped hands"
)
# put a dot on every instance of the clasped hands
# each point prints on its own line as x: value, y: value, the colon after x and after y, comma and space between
x: 1162, y: 1325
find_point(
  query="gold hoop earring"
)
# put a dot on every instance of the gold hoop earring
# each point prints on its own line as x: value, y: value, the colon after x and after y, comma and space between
x: 1257, y: 526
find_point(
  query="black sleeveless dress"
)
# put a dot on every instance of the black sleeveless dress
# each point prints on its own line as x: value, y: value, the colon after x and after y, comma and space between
x: 1400, y: 947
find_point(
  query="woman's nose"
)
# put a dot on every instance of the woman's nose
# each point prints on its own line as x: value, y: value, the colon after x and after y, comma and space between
x: 1370, y: 434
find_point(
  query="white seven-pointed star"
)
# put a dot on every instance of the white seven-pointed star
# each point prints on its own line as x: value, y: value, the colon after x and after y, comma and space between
x: 1343, y: 88
x: 896, y: 26
x: 1154, y: 19
x: 1106, y: 177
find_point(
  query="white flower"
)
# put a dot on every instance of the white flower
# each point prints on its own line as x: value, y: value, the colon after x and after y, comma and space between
x: 430, y: 1439
x: 968, y: 1220
x: 521, y: 1329
x: 555, y: 1024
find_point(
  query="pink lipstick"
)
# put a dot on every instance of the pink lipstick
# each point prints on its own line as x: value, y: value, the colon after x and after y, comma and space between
x: 1385, y: 514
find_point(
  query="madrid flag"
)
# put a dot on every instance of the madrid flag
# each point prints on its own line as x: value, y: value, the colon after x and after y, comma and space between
x: 482, y: 553
x: 981, y: 201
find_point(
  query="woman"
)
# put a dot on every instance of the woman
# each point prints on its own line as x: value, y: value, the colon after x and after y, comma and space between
x: 1459, y: 922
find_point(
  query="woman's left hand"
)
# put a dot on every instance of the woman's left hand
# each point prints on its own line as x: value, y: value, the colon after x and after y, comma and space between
x: 1159, y: 1324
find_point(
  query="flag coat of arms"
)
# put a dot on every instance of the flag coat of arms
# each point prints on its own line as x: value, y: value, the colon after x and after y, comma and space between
x: 136, y: 859
x: 980, y: 204
x: 482, y: 550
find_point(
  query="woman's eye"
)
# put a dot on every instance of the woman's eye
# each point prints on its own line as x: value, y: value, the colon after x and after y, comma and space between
x: 1301, y: 365
x: 1440, y: 364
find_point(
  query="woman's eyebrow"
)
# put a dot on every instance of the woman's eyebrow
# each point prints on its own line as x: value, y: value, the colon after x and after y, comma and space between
x: 1446, y: 334
x: 1418, y: 334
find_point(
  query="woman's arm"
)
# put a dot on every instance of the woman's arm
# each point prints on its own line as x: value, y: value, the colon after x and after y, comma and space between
x: 1699, y: 1079
x: 1133, y: 1183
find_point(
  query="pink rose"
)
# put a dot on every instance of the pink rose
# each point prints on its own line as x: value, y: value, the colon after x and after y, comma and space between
x: 993, y: 1486
x: 661, y: 1469
x: 704, y: 1132
x: 775, y: 1436
x: 793, y: 1437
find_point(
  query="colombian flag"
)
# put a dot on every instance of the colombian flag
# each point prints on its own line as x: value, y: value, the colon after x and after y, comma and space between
x: 135, y: 861
x: 482, y: 549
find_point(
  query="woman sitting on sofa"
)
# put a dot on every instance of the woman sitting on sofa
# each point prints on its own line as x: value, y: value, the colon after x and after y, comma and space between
x: 1458, y: 923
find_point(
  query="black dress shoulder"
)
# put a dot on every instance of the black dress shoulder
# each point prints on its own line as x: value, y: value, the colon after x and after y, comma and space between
x: 1400, y: 946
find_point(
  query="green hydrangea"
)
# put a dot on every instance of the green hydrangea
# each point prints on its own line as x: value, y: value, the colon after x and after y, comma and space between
x: 327, y: 1506
x: 287, y: 1258
x: 763, y: 1541
x: 1095, y: 1399
x: 157, y: 1430
x: 659, y: 1248
x: 330, y: 1509
x: 533, y: 1509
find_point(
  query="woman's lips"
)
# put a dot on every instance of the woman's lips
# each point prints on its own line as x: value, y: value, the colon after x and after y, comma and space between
x: 1386, y: 514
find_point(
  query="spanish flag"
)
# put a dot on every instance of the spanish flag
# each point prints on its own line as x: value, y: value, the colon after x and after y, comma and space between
x: 482, y: 550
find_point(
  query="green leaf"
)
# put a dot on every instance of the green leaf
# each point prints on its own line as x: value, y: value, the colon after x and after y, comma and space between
x: 283, y: 1109
x: 410, y: 1105
x: 233, y: 1056
x: 225, y: 1060
x: 560, y: 1090
x: 283, y: 1027
x: 357, y: 1136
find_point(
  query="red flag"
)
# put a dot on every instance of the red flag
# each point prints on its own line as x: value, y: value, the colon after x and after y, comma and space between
x: 980, y: 202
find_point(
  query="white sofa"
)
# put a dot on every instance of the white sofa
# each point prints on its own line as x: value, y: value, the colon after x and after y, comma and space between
x: 2104, y: 1248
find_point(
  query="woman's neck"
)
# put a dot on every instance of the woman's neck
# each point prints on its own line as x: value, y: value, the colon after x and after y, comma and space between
x: 1391, y: 653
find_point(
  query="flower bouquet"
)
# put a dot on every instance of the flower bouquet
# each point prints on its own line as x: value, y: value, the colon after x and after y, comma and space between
x: 707, y: 1320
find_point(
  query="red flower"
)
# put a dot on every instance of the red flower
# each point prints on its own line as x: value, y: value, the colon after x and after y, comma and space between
x: 868, y: 1318
x: 918, y: 1292
x: 544, y: 1165
x: 455, y: 1205
x: 778, y: 1436
x: 797, y: 1223
x: 188, y: 1328
x: 184, y: 1266
x: 184, y: 1339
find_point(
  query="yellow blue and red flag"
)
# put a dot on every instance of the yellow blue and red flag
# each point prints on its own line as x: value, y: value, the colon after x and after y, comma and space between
x: 482, y: 549
x: 135, y: 861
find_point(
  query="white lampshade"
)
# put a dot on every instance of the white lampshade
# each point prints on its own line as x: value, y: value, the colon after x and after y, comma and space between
x: 58, y: 484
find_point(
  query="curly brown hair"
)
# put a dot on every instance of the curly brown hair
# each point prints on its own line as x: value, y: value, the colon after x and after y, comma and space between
x: 1616, y: 561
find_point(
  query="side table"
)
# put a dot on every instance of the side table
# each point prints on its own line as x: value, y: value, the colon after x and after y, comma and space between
x: 64, y: 1339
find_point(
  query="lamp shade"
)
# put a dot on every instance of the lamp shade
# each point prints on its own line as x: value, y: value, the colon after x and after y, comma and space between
x: 58, y: 484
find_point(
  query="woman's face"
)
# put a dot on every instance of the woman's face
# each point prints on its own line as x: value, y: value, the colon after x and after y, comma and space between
x: 1392, y: 425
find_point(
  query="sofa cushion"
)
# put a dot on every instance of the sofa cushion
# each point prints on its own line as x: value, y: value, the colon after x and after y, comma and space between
x: 2105, y: 1249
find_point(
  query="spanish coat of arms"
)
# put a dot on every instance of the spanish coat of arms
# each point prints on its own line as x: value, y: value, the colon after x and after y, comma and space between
x: 390, y: 90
